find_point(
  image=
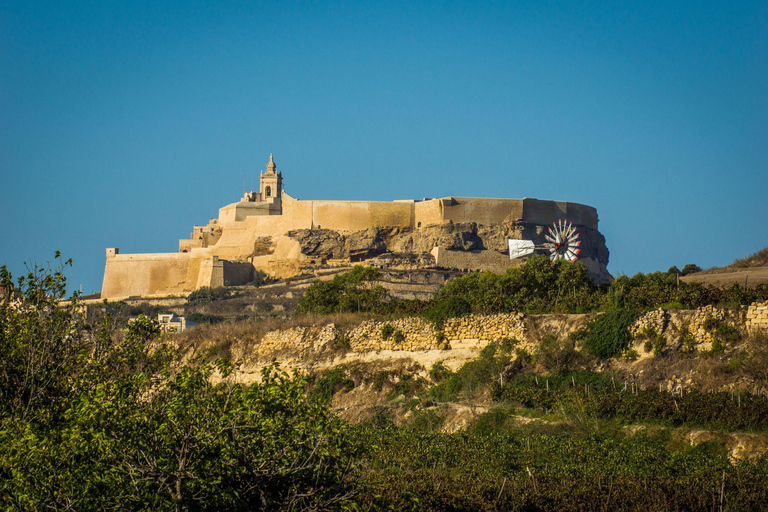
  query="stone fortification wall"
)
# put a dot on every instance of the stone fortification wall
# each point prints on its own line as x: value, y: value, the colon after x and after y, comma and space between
x: 309, y: 233
x: 128, y: 275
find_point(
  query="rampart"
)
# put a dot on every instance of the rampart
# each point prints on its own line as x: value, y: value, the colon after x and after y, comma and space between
x: 272, y: 232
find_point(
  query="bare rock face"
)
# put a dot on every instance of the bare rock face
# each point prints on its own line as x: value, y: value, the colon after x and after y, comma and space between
x: 459, y: 237
x: 368, y: 243
x: 323, y: 243
x: 465, y: 237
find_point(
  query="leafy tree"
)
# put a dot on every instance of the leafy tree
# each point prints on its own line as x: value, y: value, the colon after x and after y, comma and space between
x: 690, y: 268
x: 95, y: 419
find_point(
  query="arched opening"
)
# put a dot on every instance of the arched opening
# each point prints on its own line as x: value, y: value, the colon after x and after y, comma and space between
x: 418, y: 225
x: 268, y: 191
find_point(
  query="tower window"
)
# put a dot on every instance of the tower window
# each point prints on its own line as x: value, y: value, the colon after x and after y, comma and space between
x: 268, y: 191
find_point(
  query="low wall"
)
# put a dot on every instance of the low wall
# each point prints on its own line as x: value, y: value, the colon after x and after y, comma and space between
x: 756, y: 317
x: 485, y: 327
x: 420, y: 335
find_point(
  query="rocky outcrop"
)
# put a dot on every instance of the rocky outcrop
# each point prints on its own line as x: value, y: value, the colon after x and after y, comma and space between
x: 468, y: 237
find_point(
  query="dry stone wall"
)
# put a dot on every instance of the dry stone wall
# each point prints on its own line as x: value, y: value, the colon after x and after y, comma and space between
x: 418, y: 334
x: 298, y: 339
x: 411, y: 334
x: 756, y: 317
x: 670, y: 323
x: 485, y: 327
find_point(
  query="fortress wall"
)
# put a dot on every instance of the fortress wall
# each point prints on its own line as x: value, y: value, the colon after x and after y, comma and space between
x: 238, y: 238
x: 361, y: 215
x: 237, y: 212
x: 482, y: 211
x: 149, y: 274
x: 539, y: 211
x: 428, y: 212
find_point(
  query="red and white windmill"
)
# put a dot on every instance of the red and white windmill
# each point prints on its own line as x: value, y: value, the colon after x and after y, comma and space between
x: 562, y: 242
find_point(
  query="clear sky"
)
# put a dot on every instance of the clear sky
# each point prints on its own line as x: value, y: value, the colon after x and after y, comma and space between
x: 123, y: 124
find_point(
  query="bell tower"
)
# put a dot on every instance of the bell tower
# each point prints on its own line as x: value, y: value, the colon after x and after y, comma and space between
x: 271, y: 182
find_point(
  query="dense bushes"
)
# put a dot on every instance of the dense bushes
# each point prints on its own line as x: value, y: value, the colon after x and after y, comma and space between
x: 349, y: 292
x: 519, y: 471
x: 538, y: 286
x: 608, y: 334
x: 206, y: 295
x: 602, y: 397
x: 95, y: 419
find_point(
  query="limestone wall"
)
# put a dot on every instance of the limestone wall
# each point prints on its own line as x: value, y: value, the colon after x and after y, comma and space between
x: 418, y: 334
x: 476, y: 331
x: 474, y: 260
x: 128, y: 275
x: 481, y: 210
x: 669, y: 323
x: 485, y: 327
x: 361, y: 215
x: 756, y: 317
x: 538, y: 211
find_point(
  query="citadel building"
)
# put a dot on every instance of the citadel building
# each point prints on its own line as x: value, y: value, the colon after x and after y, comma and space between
x: 271, y: 231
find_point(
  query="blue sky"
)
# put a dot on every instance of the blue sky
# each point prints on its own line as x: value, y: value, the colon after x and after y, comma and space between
x: 122, y: 124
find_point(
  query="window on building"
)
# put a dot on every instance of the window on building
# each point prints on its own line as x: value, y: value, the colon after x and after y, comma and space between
x: 268, y: 191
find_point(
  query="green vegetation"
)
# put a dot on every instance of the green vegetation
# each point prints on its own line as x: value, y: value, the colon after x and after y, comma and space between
x: 206, y: 295
x: 92, y: 418
x: 95, y: 417
x: 472, y: 376
x: 608, y: 334
x: 537, y: 286
x: 349, y: 292
x: 601, y: 397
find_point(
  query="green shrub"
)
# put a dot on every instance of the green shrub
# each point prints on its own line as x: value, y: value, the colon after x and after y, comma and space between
x: 659, y: 342
x: 690, y: 268
x: 203, y: 318
x: 439, y: 372
x: 450, y: 307
x: 398, y: 336
x: 630, y: 354
x: 330, y: 382
x: 688, y: 339
x: 206, y: 295
x: 556, y: 355
x: 386, y: 331
x: 608, y: 334
x: 473, y: 375
x: 348, y: 292
x: 341, y: 343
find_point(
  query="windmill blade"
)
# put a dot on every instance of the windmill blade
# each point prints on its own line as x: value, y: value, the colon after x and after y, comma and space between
x: 520, y: 248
